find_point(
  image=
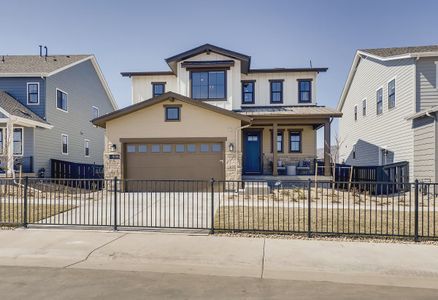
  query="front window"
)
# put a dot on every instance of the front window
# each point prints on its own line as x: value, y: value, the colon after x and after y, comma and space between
x: 295, y: 141
x: 18, y: 141
x: 304, y: 91
x: 61, y: 100
x: 391, y: 94
x: 173, y: 113
x: 208, y: 85
x: 279, y: 141
x: 87, y: 148
x: 248, y: 92
x: 33, y: 93
x: 158, y: 88
x: 276, y: 91
x: 64, y: 139
x: 379, y: 100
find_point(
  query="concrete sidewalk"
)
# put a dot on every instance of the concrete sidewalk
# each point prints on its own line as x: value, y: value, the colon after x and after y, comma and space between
x: 389, y: 264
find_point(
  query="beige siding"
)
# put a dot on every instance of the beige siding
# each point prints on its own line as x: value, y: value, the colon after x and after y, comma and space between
x: 390, y: 129
x: 427, y: 89
x: 424, y: 148
x: 142, y: 86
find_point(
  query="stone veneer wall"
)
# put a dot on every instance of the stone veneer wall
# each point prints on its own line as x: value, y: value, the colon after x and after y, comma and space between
x: 112, y: 167
x: 286, y: 158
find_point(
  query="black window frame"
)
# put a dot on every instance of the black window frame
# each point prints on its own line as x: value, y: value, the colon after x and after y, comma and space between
x: 300, y: 92
x: 166, y: 115
x: 271, y: 92
x: 355, y: 112
x: 391, y: 94
x: 61, y: 92
x: 208, y: 71
x: 300, y: 145
x: 64, y: 146
x: 29, y: 93
x: 364, y: 107
x: 87, y: 148
x: 155, y: 84
x: 280, y: 132
x: 245, y: 93
x: 379, y: 112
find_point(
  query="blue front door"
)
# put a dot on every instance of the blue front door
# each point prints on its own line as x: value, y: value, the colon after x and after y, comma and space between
x: 252, y: 154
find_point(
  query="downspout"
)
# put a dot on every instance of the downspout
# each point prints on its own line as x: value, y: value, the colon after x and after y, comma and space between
x: 237, y: 139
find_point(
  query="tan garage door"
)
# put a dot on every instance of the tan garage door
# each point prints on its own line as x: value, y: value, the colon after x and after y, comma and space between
x: 189, y: 161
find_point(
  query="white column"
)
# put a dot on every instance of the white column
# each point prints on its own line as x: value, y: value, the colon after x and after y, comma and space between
x: 10, y: 147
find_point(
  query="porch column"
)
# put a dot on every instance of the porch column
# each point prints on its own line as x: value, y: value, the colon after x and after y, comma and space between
x: 327, y: 148
x: 274, y: 150
x: 10, y: 148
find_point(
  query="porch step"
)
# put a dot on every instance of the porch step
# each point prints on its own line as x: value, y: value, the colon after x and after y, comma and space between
x: 257, y: 188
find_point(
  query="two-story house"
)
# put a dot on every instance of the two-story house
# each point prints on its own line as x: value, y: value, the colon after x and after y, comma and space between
x: 389, y: 105
x: 213, y: 116
x: 46, y: 104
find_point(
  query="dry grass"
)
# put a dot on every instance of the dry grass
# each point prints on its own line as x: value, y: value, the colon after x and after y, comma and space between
x: 12, y: 213
x: 295, y: 219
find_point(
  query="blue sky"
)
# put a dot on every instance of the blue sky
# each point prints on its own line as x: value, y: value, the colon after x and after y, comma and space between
x: 138, y: 35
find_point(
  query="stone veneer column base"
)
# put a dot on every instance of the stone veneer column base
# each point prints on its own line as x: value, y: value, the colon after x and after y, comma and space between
x: 233, y: 159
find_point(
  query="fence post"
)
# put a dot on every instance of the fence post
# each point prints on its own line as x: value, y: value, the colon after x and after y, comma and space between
x: 25, y: 208
x: 115, y: 203
x: 309, y: 209
x: 212, y: 205
x: 416, y: 211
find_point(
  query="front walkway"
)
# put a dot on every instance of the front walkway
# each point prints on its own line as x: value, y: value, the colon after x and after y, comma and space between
x: 387, y: 264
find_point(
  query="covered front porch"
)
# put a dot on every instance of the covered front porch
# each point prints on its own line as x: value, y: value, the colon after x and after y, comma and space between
x: 281, y: 143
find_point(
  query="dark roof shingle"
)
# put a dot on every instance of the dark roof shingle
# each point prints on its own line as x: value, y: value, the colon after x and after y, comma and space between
x: 396, y: 51
x: 35, y: 64
x: 14, y: 107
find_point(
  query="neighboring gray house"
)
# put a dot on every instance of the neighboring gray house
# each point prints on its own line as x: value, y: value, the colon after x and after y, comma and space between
x: 389, y: 105
x: 48, y: 102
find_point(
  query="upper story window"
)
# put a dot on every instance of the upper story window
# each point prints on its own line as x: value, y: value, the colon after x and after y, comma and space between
x: 379, y: 101
x: 158, y: 88
x: 248, y: 92
x: 95, y: 112
x: 364, y: 107
x: 208, y: 85
x: 391, y: 94
x: 173, y: 113
x: 61, y: 100
x: 304, y: 90
x: 276, y: 91
x: 33, y: 93
x: 355, y: 112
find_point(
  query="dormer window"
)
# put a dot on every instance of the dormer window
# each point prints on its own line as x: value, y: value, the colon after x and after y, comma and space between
x: 208, y: 85
x: 304, y: 90
x: 158, y: 88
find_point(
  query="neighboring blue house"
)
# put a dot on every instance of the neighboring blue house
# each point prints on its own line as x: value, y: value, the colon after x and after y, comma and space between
x: 48, y: 102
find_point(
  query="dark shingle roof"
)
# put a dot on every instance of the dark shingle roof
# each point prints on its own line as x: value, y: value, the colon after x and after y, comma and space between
x: 35, y: 64
x: 397, y: 51
x: 14, y: 107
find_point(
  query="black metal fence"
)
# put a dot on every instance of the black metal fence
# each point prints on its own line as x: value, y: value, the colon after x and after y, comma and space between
x: 305, y: 207
x: 72, y: 170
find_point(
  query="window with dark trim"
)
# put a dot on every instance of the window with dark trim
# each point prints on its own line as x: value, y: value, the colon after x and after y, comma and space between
x: 61, y: 100
x: 33, y: 93
x: 295, y: 141
x: 208, y: 85
x: 364, y: 107
x: 173, y: 113
x: 379, y: 101
x: 355, y: 112
x: 87, y: 148
x: 391, y: 94
x: 276, y: 88
x: 354, y: 152
x: 248, y: 92
x: 158, y: 88
x: 304, y: 90
x: 64, y: 140
x: 279, y: 141
x: 18, y: 141
x: 1, y: 141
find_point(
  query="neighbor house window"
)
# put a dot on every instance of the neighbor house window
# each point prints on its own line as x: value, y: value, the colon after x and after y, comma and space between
x: 355, y: 112
x: 33, y: 93
x: 279, y: 141
x: 276, y: 91
x: 158, y: 88
x: 173, y: 113
x: 364, y: 107
x: 208, y: 85
x: 304, y: 91
x: 94, y: 112
x: 379, y: 100
x: 1, y: 140
x: 295, y: 141
x: 64, y: 141
x: 87, y: 148
x: 354, y: 152
x: 391, y: 94
x: 61, y: 100
x: 248, y: 92
x: 18, y: 141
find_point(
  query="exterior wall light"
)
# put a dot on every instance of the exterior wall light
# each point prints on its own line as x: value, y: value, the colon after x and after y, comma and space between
x: 113, y: 148
x: 231, y: 147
